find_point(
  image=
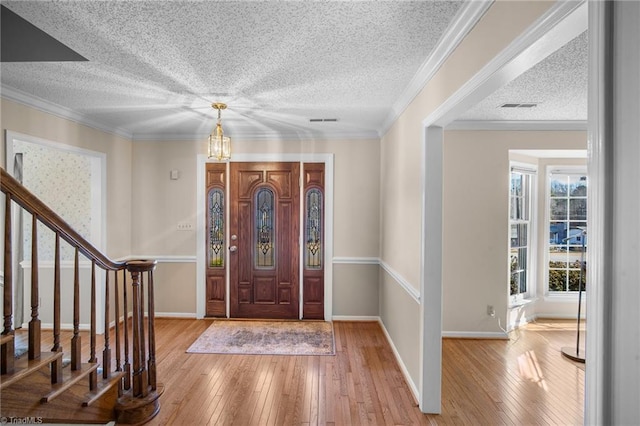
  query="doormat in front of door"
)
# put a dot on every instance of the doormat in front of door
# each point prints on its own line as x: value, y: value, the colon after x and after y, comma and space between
x: 266, y: 338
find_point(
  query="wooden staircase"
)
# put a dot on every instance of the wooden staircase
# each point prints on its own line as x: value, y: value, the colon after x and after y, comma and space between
x: 50, y: 381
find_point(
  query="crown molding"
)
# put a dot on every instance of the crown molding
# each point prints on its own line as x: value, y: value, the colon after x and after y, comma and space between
x: 463, y: 22
x: 557, y: 26
x: 260, y: 137
x: 43, y: 105
x: 533, y: 125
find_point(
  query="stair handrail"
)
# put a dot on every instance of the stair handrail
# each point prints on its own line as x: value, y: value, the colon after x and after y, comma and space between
x: 140, y: 403
x: 53, y: 221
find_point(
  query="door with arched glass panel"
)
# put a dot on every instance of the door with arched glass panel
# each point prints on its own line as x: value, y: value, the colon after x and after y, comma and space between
x: 264, y: 240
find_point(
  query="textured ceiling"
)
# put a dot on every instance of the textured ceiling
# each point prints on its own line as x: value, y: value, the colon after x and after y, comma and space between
x: 558, y: 85
x: 154, y: 67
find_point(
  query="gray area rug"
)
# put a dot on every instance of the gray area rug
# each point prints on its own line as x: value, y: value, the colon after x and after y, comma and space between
x: 266, y: 338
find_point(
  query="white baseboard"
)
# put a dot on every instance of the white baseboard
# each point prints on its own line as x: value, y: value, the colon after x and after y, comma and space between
x: 186, y: 315
x: 354, y: 318
x: 412, y: 386
x: 559, y: 316
x: 63, y: 326
x: 475, y: 335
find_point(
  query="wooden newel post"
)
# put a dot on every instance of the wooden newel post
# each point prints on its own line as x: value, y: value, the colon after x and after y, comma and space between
x: 140, y: 374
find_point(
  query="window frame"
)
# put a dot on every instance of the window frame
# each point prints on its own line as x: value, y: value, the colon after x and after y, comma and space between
x: 531, y: 266
x: 566, y: 170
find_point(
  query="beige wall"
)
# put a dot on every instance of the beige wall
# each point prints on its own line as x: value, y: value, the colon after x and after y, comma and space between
x: 400, y: 170
x: 144, y: 205
x: 159, y: 203
x: 402, y: 144
x: 476, y: 217
x: 355, y: 292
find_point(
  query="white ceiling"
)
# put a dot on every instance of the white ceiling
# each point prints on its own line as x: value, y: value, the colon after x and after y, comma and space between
x: 154, y: 67
x: 558, y: 85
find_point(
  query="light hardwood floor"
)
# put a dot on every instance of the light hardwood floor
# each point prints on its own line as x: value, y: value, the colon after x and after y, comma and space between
x: 521, y: 381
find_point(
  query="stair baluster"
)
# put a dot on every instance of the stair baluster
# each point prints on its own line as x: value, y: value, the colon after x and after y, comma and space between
x: 56, y: 366
x: 76, y: 340
x: 93, y: 377
x: 34, y: 324
x: 127, y: 365
x: 7, y: 348
x: 106, y: 352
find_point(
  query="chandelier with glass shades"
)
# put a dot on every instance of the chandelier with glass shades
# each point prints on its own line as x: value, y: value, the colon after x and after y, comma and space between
x: 219, y: 144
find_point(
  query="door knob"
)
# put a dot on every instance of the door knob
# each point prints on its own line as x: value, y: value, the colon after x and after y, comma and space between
x: 233, y: 248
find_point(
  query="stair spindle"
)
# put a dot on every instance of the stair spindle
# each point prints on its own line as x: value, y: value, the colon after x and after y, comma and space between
x: 152, y: 335
x: 34, y: 324
x: 116, y: 298
x: 7, y: 351
x: 56, y: 366
x: 93, y: 377
x: 127, y: 365
x: 76, y: 341
x: 143, y: 343
x: 106, y: 352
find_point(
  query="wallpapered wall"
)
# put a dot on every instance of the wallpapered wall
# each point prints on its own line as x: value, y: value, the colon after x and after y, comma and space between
x: 62, y: 180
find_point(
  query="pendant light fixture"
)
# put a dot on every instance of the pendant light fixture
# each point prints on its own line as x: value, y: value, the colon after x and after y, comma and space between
x: 219, y: 144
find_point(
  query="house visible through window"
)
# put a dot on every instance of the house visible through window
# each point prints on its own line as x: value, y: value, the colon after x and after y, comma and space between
x: 567, y: 224
x: 520, y: 201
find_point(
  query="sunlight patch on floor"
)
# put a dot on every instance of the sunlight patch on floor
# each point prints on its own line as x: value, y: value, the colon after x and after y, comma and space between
x: 530, y: 369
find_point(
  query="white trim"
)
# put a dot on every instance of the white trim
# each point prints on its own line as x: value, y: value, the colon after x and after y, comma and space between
x: 532, y: 231
x: 98, y: 172
x: 357, y: 260
x: 404, y: 284
x: 533, y: 125
x: 599, y: 197
x: 59, y: 111
x: 65, y: 326
x: 263, y: 136
x: 50, y: 264
x: 355, y: 318
x: 201, y: 239
x: 564, y: 296
x: 431, y: 177
x: 559, y: 316
x: 186, y: 315
x: 160, y: 258
x: 475, y: 335
x: 562, y: 22
x: 464, y: 21
x: 559, y: 25
x: 327, y: 159
x: 405, y: 372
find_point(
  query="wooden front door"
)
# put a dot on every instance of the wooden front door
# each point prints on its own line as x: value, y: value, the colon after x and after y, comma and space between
x: 264, y: 247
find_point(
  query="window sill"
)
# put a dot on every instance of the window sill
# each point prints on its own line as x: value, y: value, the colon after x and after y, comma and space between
x: 520, y: 303
x: 567, y: 297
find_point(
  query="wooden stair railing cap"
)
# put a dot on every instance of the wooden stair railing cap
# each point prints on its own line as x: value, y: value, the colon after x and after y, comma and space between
x: 141, y: 265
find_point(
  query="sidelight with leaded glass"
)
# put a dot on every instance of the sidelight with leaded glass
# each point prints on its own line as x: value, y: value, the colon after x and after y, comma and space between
x: 216, y: 227
x: 313, y: 229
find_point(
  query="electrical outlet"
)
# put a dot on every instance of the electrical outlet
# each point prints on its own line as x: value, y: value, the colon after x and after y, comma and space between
x: 185, y: 226
x: 491, y: 311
